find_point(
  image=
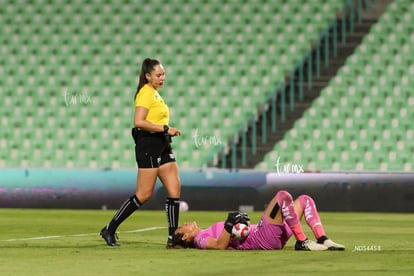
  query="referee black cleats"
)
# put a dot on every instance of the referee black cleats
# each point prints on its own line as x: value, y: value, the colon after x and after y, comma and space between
x: 172, y: 244
x: 110, y: 238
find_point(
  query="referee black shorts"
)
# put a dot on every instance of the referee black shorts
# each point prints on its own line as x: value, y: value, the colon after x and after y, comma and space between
x: 152, y: 149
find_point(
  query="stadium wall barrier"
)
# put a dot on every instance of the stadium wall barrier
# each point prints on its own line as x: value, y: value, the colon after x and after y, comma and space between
x: 207, y: 189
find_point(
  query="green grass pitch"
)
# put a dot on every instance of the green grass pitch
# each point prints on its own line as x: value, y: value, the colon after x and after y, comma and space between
x: 66, y: 242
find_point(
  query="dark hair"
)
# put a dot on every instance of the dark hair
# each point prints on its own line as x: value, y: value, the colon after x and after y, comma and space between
x: 178, y: 242
x: 147, y: 67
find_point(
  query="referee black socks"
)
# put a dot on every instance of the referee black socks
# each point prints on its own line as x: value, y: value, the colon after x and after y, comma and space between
x: 129, y: 206
x: 172, y: 209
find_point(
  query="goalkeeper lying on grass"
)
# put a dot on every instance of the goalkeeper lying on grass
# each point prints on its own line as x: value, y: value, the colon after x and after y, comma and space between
x: 279, y: 221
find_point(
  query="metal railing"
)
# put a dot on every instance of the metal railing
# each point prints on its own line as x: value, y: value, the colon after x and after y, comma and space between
x: 311, y: 58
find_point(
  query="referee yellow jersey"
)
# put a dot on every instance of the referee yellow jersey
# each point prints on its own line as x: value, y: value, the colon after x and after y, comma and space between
x: 158, y: 112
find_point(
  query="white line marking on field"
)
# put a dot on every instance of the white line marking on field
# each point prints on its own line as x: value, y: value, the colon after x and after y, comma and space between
x: 36, y: 238
x: 82, y: 235
x: 144, y: 229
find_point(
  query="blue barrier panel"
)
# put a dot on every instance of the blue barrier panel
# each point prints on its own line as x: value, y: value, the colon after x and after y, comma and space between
x: 207, y: 189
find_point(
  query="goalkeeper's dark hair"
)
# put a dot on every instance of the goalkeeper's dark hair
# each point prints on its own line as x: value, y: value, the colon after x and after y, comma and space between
x: 178, y: 242
x: 147, y: 67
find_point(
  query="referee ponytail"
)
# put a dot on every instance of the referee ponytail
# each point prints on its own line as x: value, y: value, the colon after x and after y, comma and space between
x: 147, y: 67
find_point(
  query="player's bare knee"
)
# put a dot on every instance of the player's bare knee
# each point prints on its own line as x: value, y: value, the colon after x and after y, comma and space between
x: 143, y: 197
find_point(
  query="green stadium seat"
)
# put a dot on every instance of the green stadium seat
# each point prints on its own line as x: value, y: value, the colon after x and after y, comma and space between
x: 372, y: 103
x: 198, y: 36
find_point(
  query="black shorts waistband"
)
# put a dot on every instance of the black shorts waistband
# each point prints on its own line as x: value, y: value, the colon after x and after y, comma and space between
x: 143, y: 133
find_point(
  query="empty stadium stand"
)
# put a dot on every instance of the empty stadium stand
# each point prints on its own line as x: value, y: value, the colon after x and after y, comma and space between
x: 363, y: 120
x: 69, y: 73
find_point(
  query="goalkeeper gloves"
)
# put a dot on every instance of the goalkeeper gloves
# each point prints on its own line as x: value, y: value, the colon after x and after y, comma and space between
x: 234, y: 218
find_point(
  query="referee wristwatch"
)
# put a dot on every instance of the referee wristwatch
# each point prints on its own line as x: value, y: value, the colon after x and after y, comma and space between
x: 166, y: 128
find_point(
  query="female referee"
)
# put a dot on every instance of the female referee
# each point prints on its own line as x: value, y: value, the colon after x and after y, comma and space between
x: 153, y: 152
x: 278, y: 223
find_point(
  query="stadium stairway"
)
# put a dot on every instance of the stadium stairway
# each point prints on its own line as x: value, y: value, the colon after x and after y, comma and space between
x: 345, y: 49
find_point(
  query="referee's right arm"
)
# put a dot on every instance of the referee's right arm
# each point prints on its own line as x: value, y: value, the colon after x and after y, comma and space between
x: 141, y: 123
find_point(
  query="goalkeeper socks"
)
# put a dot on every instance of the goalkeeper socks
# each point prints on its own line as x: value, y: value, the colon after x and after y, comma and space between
x: 311, y: 215
x: 285, y: 200
x: 127, y: 208
x: 172, y: 208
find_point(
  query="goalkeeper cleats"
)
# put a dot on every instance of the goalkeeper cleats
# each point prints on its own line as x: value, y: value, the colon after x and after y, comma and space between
x: 309, y: 245
x: 331, y: 245
x: 110, y: 238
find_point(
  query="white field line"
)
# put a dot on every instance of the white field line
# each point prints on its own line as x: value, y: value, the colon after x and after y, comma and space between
x: 81, y: 235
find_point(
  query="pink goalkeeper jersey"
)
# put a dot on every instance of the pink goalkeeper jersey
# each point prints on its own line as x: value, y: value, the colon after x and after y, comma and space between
x: 263, y: 236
